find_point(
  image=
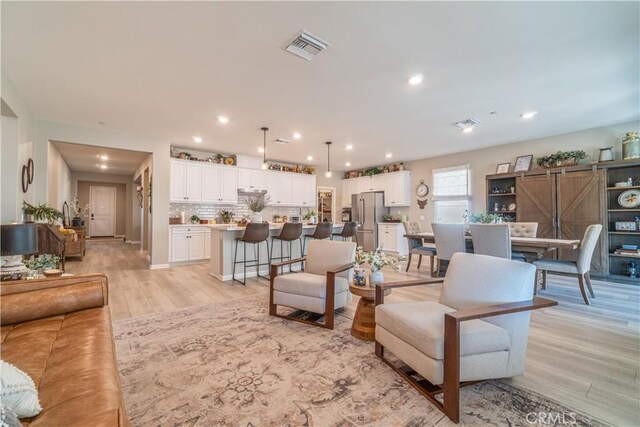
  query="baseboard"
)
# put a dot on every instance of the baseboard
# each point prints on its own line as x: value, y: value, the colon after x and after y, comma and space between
x: 158, y: 266
x: 133, y: 242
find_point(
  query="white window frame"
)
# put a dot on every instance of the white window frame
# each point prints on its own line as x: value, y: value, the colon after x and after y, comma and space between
x: 460, y: 201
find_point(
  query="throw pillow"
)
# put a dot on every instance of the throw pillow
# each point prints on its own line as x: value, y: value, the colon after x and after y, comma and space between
x: 8, y: 418
x: 18, y: 392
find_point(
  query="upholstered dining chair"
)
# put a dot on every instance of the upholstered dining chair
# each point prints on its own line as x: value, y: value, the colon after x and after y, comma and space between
x: 523, y: 229
x: 579, y: 268
x: 465, y: 336
x: 417, y: 247
x: 321, y: 288
x: 491, y: 239
x: 449, y: 240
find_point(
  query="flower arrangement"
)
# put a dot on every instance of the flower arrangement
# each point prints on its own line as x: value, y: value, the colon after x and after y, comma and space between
x: 257, y: 202
x: 310, y: 213
x: 377, y: 259
x: 561, y: 158
x: 481, y: 218
x: 226, y: 216
x: 78, y: 210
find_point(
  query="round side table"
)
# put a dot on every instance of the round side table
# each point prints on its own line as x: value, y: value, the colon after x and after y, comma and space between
x: 364, y: 321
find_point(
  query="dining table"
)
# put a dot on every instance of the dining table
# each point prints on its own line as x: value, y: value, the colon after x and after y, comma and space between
x: 532, y: 248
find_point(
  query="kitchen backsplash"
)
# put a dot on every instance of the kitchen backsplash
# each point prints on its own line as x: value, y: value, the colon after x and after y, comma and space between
x: 240, y: 210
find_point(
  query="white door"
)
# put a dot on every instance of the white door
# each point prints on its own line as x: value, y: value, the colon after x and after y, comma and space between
x: 297, y: 190
x: 179, y: 247
x: 229, y: 185
x: 272, y: 187
x: 102, y: 201
x: 196, y: 246
x: 211, y: 177
x: 309, y: 191
x: 284, y: 189
x: 178, y: 190
x: 194, y: 182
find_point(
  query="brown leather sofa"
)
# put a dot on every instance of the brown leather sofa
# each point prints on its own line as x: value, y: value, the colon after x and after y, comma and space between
x: 59, y: 332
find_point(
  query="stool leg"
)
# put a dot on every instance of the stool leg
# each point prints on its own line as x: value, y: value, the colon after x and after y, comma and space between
x: 301, y: 255
x: 289, y: 257
x: 235, y: 259
x: 281, y: 258
x: 270, y: 254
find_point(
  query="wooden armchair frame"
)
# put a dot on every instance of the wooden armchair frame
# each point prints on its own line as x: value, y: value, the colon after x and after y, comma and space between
x: 329, y: 310
x: 450, y: 388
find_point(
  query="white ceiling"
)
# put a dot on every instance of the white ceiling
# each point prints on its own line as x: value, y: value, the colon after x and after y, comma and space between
x: 86, y: 158
x: 167, y: 69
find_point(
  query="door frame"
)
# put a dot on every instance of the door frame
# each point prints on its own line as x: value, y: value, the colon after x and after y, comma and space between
x: 334, y: 214
x: 114, y: 199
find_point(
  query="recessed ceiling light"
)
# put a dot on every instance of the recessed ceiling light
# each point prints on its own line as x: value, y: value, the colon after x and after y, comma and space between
x: 347, y: 164
x: 309, y: 158
x: 104, y: 157
x: 296, y: 135
x: 388, y: 155
x: 197, y: 139
x: 468, y: 129
x: 103, y: 166
x: 349, y: 147
x: 223, y: 119
x: 528, y: 114
x: 416, y: 79
x: 260, y: 150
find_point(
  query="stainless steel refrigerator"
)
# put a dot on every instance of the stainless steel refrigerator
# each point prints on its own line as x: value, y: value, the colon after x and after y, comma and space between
x: 367, y: 209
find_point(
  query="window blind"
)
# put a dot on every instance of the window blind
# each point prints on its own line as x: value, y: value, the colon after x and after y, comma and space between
x: 451, y: 183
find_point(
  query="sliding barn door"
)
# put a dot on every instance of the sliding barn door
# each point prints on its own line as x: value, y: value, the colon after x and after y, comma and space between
x: 581, y: 202
x: 536, y: 202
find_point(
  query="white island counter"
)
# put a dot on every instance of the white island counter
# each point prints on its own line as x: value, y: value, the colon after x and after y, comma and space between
x: 223, y: 244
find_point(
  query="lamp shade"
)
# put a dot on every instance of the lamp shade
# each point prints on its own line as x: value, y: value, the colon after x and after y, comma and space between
x: 18, y: 239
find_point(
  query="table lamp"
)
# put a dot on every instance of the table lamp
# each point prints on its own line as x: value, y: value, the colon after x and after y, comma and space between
x: 16, y: 240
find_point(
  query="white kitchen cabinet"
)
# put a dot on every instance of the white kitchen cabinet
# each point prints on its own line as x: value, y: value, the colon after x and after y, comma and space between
x: 303, y: 190
x: 280, y: 188
x: 190, y: 243
x: 391, y: 237
x: 186, y: 182
x: 397, y: 189
x: 252, y: 179
x: 229, y: 185
x: 219, y: 184
x: 349, y: 187
x: 371, y: 183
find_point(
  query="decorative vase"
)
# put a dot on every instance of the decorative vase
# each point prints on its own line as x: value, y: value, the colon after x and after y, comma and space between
x: 376, y: 277
x: 257, y: 217
x: 631, y: 146
x: 359, y: 277
x: 606, y: 155
x: 29, y: 218
x: 76, y: 221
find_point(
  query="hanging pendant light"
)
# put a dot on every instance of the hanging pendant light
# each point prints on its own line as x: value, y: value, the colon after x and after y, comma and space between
x: 328, y: 172
x: 265, y: 165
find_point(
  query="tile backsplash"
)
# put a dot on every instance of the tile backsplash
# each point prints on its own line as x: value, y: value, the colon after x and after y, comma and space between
x: 207, y: 211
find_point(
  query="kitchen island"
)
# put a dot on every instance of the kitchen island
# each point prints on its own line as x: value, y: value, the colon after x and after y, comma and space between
x: 223, y: 244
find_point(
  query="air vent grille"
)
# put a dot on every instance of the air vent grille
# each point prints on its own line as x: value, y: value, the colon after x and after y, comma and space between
x: 466, y: 123
x: 281, y: 141
x: 306, y: 45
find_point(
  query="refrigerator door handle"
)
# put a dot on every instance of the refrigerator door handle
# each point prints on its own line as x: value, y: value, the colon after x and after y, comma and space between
x: 363, y: 219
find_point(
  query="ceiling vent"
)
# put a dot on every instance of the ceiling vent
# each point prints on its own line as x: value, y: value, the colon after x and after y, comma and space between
x: 306, y: 45
x: 281, y: 141
x: 464, y: 124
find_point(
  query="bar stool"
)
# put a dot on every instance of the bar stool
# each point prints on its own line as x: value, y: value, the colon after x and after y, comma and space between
x: 322, y: 231
x: 255, y: 234
x: 349, y: 230
x: 290, y: 233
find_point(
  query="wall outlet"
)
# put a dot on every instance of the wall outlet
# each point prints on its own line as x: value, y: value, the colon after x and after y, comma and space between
x: 421, y: 217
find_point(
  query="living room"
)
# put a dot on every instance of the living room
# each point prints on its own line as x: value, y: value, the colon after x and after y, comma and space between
x: 217, y: 127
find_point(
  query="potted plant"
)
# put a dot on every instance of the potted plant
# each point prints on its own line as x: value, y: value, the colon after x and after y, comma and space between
x: 42, y: 212
x: 256, y: 204
x: 195, y: 219
x: 482, y: 218
x: 311, y: 216
x: 226, y: 216
x: 561, y: 159
x: 377, y: 260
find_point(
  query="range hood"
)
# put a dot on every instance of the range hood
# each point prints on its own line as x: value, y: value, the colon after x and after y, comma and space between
x: 251, y: 190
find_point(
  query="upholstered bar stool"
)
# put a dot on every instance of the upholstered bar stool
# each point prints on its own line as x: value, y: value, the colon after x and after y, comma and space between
x: 290, y: 233
x: 348, y: 231
x: 322, y: 231
x: 255, y: 234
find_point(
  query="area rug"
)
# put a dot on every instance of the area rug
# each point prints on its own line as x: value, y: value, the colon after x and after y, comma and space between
x: 231, y: 364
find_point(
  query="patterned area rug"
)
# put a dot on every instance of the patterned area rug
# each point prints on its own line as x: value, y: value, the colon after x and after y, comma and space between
x: 232, y: 364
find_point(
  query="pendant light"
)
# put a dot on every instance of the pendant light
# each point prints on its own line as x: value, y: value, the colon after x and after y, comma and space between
x: 328, y: 172
x: 265, y: 165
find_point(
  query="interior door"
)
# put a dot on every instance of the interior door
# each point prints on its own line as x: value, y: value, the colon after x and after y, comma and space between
x: 536, y: 202
x: 580, y: 204
x: 102, y: 201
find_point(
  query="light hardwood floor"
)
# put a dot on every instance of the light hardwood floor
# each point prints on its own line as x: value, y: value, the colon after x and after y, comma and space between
x: 586, y: 357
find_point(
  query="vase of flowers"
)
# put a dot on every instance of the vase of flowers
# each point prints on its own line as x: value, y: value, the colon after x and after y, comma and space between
x: 79, y: 212
x: 377, y: 260
x: 256, y: 204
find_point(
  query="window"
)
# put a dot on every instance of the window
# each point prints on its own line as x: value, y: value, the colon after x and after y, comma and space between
x: 450, y: 193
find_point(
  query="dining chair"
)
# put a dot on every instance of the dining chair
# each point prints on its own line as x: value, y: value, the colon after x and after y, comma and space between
x: 321, y: 288
x: 449, y: 239
x: 417, y: 247
x: 465, y: 337
x: 523, y: 229
x: 579, y: 268
x: 491, y: 239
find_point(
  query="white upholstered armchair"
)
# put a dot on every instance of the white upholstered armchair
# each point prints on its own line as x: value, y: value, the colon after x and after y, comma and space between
x: 321, y: 288
x: 477, y: 331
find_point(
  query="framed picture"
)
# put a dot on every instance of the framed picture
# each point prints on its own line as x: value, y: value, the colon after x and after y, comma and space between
x: 503, y: 167
x: 523, y: 163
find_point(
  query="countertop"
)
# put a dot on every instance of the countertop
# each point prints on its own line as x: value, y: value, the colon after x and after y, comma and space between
x: 272, y: 226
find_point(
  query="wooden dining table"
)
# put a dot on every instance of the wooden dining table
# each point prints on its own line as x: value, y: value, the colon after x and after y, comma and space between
x: 532, y: 248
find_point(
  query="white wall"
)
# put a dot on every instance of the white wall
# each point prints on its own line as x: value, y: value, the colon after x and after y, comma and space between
x: 484, y: 161
x: 16, y: 146
x: 58, y: 179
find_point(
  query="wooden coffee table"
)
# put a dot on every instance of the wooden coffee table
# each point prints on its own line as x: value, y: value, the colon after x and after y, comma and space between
x: 364, y: 321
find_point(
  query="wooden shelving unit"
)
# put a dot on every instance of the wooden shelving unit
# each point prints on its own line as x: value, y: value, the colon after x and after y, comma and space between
x: 501, y: 192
